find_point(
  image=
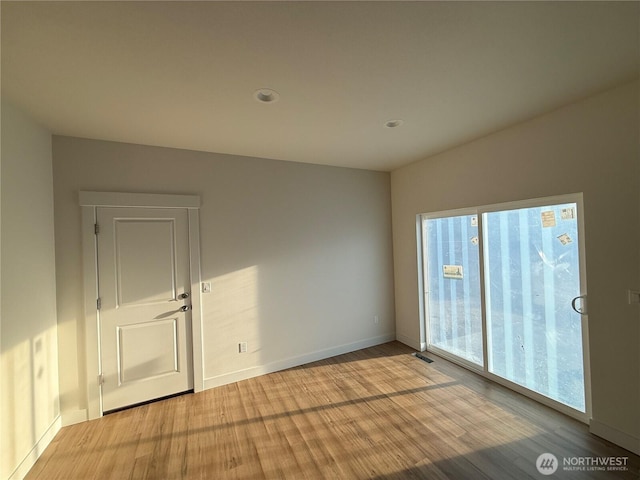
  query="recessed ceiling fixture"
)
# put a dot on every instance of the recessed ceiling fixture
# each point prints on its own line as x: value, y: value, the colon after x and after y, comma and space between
x: 393, y: 123
x: 266, y: 95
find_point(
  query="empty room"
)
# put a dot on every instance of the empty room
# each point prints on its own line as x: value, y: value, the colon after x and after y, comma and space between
x: 323, y: 240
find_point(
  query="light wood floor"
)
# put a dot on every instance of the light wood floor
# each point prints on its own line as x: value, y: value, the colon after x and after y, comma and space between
x: 377, y: 413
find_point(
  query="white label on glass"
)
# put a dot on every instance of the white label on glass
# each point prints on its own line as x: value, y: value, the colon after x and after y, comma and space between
x: 548, y: 218
x: 452, y: 271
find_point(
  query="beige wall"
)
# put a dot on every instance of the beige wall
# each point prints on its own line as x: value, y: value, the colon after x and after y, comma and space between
x: 299, y: 256
x: 29, y: 412
x: 591, y: 147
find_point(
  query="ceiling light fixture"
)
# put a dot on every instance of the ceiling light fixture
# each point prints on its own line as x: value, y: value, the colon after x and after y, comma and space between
x: 393, y: 123
x: 266, y: 95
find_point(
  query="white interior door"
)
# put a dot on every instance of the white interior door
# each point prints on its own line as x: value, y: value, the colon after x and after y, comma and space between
x: 144, y: 316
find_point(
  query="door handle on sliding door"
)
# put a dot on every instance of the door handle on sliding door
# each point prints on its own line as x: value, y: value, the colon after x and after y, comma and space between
x: 583, y: 305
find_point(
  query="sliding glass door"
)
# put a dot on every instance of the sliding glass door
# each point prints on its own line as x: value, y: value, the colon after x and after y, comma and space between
x: 503, y: 292
x: 453, y: 279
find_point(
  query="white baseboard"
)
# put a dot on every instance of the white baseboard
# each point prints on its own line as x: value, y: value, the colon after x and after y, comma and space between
x: 291, y: 362
x: 74, y: 416
x: 421, y: 347
x: 30, y: 459
x: 614, y: 435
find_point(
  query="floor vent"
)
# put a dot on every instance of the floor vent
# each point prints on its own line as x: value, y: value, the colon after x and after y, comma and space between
x: 422, y: 357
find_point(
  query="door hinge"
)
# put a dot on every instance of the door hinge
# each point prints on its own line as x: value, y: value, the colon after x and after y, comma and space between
x: 99, y: 303
x: 100, y: 379
x: 96, y: 228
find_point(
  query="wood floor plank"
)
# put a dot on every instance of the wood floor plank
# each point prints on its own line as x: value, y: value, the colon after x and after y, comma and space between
x: 378, y: 413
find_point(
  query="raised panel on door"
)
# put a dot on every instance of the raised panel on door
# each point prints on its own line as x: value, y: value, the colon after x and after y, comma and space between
x: 145, y: 261
x: 147, y: 350
x: 143, y: 264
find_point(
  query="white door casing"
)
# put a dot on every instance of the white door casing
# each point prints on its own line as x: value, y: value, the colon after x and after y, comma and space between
x: 146, y: 300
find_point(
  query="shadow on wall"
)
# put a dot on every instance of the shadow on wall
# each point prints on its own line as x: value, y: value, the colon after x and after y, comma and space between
x: 232, y: 312
x: 30, y: 398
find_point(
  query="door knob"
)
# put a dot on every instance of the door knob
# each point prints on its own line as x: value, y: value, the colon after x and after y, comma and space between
x: 185, y: 308
x: 183, y: 295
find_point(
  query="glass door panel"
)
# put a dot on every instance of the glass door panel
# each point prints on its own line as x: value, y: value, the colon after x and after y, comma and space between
x: 452, y: 281
x: 532, y: 273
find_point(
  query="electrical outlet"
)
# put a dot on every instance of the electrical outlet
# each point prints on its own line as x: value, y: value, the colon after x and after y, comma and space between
x: 206, y: 287
x: 634, y: 297
x: 242, y: 347
x: 376, y: 319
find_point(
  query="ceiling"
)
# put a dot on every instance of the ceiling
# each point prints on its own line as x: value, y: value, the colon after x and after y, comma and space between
x: 183, y: 74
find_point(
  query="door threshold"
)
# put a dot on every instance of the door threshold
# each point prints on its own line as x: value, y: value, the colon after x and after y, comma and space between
x: 159, y: 399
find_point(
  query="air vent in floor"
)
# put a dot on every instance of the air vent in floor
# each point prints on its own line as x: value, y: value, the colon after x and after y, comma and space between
x: 422, y: 357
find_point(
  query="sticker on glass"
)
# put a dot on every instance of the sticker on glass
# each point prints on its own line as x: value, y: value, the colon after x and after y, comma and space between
x: 474, y: 240
x: 474, y: 221
x: 568, y: 213
x: 565, y: 239
x: 452, y: 271
x: 548, y: 218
